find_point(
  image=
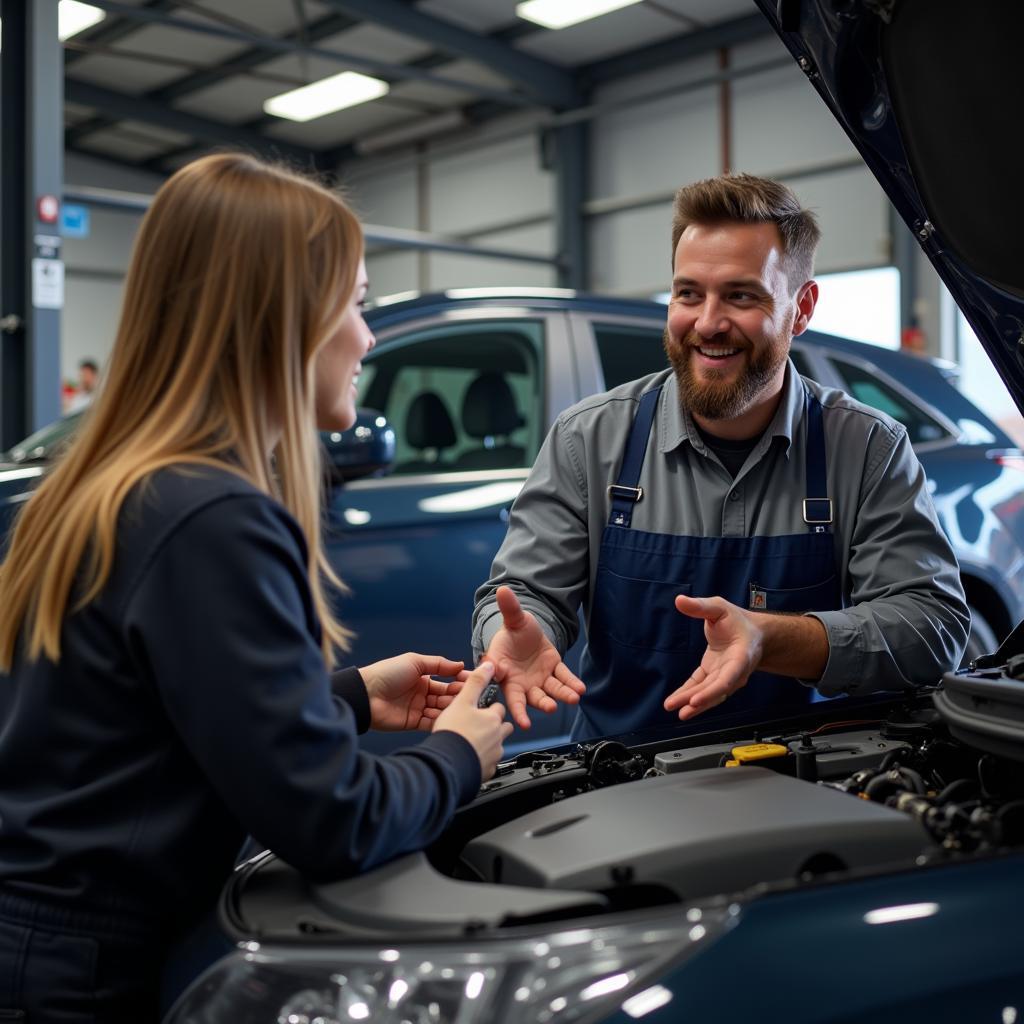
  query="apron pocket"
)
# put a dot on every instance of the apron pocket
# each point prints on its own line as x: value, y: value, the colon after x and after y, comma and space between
x: 641, y: 613
x: 816, y: 597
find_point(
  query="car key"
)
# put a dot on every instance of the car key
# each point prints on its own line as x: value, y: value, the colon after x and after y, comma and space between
x: 492, y: 692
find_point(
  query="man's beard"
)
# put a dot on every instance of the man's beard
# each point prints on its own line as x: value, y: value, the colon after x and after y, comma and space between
x: 715, y: 397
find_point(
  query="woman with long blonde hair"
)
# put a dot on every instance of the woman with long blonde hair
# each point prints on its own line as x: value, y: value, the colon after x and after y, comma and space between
x: 166, y: 641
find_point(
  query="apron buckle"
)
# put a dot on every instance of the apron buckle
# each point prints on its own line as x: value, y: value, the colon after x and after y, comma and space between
x: 822, y: 504
x: 622, y: 491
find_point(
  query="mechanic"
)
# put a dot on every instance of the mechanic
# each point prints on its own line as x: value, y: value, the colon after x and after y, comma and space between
x: 692, y: 512
x: 166, y: 640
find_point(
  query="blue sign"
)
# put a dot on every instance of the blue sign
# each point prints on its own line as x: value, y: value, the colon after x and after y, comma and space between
x: 74, y: 220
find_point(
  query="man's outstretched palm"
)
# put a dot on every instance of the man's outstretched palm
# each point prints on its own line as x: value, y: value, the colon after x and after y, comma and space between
x: 527, y: 665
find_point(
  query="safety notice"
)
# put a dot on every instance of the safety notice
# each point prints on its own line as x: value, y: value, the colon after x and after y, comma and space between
x: 47, y: 283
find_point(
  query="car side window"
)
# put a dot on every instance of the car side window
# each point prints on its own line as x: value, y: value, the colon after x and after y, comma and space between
x: 628, y: 351
x: 800, y: 362
x: 461, y: 396
x: 867, y: 388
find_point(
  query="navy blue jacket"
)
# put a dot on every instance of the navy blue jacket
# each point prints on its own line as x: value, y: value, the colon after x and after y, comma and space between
x: 191, y: 706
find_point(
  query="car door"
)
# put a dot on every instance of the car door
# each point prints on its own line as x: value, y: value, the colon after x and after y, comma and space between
x: 466, y: 393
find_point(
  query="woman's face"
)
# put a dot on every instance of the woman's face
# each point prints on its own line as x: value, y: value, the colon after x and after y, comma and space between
x: 338, y: 362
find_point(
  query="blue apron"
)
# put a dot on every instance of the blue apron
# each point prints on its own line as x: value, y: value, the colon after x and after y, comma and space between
x: 640, y: 649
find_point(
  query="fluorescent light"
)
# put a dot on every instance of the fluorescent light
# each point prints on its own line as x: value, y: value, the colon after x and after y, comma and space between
x: 74, y: 17
x: 326, y: 96
x: 562, y: 13
x: 906, y: 912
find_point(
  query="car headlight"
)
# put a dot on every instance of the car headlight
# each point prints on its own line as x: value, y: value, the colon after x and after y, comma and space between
x: 550, y: 977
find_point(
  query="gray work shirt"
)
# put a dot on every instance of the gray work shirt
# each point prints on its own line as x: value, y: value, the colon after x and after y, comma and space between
x: 905, y: 620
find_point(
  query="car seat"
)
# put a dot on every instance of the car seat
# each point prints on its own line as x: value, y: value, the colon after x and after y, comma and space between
x: 489, y: 414
x: 429, y: 429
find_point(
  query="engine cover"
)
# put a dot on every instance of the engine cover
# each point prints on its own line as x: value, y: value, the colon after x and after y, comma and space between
x: 698, y: 833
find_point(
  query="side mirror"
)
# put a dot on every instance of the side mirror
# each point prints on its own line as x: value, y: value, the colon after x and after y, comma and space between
x: 367, y: 448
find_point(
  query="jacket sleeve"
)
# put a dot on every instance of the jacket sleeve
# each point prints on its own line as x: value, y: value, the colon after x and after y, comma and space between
x: 908, y: 619
x: 347, y: 685
x: 545, y: 555
x: 222, y: 622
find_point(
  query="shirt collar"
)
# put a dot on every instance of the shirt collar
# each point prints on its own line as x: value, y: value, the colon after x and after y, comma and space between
x: 675, y: 424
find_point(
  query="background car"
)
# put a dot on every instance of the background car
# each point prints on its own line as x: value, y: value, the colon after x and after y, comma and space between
x: 461, y: 390
x: 471, y: 382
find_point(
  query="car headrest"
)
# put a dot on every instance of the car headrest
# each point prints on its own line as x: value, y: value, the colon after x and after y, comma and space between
x: 427, y: 423
x: 488, y: 407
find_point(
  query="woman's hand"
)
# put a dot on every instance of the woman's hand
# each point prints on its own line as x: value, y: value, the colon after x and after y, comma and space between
x: 402, y: 693
x: 483, y: 728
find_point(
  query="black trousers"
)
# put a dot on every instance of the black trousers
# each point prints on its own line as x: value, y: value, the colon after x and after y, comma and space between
x: 65, y: 966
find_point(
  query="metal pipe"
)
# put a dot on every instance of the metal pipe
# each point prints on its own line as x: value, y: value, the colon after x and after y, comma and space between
x: 135, y: 202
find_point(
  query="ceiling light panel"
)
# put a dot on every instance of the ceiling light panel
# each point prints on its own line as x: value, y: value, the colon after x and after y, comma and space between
x: 74, y: 17
x: 562, y: 13
x: 337, y: 92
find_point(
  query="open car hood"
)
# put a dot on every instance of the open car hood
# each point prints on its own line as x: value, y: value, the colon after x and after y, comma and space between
x: 929, y: 92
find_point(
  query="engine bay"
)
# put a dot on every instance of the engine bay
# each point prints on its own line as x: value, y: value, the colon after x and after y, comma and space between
x: 613, y: 826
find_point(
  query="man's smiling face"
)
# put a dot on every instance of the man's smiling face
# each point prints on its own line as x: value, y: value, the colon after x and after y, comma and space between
x: 732, y: 317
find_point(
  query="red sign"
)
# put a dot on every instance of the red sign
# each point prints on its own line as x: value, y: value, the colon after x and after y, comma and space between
x: 48, y: 209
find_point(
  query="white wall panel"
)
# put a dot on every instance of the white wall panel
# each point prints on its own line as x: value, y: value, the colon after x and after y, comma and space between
x: 779, y: 121
x: 629, y: 251
x: 448, y: 270
x: 656, y: 145
x: 853, y: 214
x: 488, y: 185
x: 383, y: 196
x: 392, y: 272
x: 92, y: 306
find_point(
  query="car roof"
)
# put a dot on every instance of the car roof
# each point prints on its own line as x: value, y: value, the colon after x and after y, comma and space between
x: 406, y: 306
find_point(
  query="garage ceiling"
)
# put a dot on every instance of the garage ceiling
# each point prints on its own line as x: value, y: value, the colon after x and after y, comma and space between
x: 158, y: 82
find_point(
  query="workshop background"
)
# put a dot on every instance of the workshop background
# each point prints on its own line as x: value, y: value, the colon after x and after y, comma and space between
x: 497, y: 152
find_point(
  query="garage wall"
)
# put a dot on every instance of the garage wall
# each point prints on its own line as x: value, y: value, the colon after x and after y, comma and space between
x: 491, y: 187
x: 639, y: 155
x: 95, y: 266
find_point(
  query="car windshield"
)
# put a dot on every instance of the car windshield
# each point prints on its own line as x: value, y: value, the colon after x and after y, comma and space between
x: 44, y: 444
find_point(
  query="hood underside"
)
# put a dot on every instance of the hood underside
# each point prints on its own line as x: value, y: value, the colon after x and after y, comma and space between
x: 930, y: 91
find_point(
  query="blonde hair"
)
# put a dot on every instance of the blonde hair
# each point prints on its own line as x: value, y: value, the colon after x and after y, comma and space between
x: 240, y: 272
x: 746, y: 199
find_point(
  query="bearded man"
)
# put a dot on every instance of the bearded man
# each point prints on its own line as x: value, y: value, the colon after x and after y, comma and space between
x: 733, y: 531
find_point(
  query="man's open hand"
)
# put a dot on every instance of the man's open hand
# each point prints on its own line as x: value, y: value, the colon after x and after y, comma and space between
x: 527, y: 665
x: 735, y: 644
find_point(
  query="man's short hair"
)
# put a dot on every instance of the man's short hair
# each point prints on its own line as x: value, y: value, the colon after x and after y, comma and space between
x: 746, y: 199
x: 89, y: 364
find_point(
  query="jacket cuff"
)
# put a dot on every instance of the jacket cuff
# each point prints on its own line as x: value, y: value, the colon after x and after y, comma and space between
x: 463, y: 757
x: 348, y: 684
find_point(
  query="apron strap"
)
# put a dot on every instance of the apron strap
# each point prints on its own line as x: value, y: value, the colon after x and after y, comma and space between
x: 817, y: 506
x: 625, y: 493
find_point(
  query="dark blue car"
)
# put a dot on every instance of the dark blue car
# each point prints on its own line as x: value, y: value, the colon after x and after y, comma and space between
x: 860, y: 862
x: 461, y: 390
x: 470, y: 382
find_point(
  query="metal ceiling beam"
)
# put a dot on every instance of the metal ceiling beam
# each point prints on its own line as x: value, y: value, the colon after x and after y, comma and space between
x: 272, y: 45
x: 194, y: 81
x: 672, y: 51
x: 135, y: 108
x: 113, y: 31
x: 550, y: 85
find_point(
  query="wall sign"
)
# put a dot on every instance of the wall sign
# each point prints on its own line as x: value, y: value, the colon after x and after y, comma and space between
x: 47, y: 284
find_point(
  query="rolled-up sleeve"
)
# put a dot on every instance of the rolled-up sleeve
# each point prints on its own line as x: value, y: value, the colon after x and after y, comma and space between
x: 544, y: 557
x: 907, y: 619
